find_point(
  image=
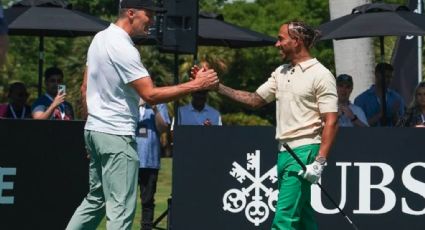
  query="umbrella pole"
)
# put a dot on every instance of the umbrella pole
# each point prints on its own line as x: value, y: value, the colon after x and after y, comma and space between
x: 384, y: 93
x: 176, y: 82
x: 40, y: 64
x: 419, y: 47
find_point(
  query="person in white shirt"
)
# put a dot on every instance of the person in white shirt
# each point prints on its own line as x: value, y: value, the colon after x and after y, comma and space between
x: 114, y: 81
x: 349, y: 115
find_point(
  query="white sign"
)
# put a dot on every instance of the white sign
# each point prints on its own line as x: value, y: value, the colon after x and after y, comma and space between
x: 256, y: 199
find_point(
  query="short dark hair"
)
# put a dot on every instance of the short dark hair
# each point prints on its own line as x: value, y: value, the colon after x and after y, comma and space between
x: 52, y: 71
x: 16, y: 85
x: 344, y: 79
x: 383, y: 65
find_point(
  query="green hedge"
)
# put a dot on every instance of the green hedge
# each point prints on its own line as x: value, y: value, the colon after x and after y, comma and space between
x: 243, y: 119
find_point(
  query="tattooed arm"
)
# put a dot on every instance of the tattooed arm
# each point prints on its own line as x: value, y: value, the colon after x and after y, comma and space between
x: 253, y: 100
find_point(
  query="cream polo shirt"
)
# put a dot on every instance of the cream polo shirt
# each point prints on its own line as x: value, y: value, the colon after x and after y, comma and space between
x: 302, y: 93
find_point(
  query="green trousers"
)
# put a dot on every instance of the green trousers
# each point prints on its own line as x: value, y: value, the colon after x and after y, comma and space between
x: 113, y: 172
x: 293, y: 208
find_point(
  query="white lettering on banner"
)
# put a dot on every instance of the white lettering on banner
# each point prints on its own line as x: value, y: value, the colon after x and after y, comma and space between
x: 365, y: 188
x: 262, y: 201
x: 6, y: 185
x: 414, y: 186
x: 235, y: 200
x: 316, y: 201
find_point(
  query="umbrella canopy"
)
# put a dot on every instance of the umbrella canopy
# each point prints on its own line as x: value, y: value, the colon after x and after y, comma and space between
x: 51, y: 21
x: 375, y: 20
x: 49, y: 18
x: 214, y: 31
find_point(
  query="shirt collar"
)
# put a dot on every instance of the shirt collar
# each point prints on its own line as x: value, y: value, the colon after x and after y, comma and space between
x: 307, y: 64
x: 203, y: 110
x: 122, y: 32
x: 372, y: 89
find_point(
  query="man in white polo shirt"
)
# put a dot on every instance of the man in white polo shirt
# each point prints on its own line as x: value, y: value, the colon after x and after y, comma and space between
x: 114, y: 81
x: 306, y: 117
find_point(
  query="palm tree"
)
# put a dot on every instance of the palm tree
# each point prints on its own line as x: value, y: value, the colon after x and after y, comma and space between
x: 354, y: 56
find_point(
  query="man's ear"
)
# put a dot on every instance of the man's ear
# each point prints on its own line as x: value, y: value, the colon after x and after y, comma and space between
x: 298, y: 42
x: 130, y: 13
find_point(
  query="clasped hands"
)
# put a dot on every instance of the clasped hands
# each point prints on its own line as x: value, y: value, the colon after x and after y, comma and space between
x: 207, y: 77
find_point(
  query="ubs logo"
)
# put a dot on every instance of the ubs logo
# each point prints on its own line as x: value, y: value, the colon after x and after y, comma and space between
x: 252, y: 198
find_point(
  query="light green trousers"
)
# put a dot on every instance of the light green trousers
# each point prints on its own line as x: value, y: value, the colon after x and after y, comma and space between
x: 293, y: 208
x: 113, y: 173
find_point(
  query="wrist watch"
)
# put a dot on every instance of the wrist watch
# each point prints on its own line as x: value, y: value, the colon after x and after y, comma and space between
x: 321, y: 160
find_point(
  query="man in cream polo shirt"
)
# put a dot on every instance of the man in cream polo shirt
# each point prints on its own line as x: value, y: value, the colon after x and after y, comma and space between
x: 306, y: 117
x: 114, y: 81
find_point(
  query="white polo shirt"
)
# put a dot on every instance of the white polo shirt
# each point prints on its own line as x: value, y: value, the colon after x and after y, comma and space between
x: 113, y: 62
x: 302, y: 93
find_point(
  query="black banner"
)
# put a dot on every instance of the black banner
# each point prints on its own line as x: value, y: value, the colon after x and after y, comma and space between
x: 224, y: 178
x: 43, y: 173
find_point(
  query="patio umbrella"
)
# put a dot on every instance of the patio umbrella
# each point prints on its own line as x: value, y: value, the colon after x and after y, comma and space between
x: 51, y: 18
x: 214, y: 31
x: 375, y: 20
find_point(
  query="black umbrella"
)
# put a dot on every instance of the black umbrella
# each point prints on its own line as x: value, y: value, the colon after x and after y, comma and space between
x: 214, y: 31
x: 375, y: 20
x: 49, y: 18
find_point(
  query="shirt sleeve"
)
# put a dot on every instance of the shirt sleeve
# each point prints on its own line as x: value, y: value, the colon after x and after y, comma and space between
x: 361, y: 115
x: 326, y: 94
x: 401, y: 107
x: 164, y: 113
x: 126, y: 60
x: 267, y: 90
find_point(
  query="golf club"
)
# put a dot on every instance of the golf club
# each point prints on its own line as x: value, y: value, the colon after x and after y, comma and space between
x: 286, y: 146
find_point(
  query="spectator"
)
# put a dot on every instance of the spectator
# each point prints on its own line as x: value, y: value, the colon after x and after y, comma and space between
x: 153, y: 121
x: 17, y: 107
x: 415, y: 114
x: 198, y: 112
x: 349, y: 115
x: 370, y: 100
x: 52, y: 105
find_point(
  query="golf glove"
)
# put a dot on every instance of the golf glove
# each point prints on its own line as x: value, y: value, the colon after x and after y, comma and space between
x: 313, y: 172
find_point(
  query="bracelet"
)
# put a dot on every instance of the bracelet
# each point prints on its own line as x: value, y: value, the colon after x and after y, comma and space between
x: 354, y: 118
x: 321, y: 160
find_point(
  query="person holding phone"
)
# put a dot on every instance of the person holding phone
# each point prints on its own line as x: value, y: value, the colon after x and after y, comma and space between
x: 52, y: 104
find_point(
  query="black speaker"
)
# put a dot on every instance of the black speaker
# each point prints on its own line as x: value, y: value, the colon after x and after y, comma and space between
x: 179, y: 26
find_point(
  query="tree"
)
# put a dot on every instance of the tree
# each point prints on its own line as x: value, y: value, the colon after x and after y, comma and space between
x: 354, y: 56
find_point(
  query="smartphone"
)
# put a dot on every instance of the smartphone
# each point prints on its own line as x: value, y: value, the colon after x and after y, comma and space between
x: 61, y: 89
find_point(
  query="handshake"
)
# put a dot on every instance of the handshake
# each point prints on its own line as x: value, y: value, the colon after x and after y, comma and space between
x: 204, y: 76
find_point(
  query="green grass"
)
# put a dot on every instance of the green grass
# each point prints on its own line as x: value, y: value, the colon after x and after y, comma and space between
x: 162, y: 194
